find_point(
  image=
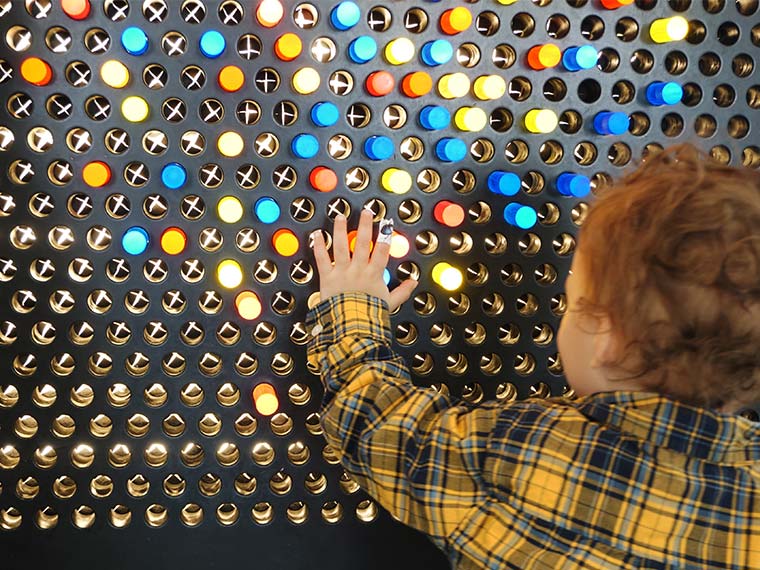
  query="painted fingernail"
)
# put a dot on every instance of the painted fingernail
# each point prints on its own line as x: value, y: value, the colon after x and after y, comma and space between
x: 385, y: 231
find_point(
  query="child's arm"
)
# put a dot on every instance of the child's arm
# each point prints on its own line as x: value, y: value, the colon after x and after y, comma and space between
x: 408, y: 447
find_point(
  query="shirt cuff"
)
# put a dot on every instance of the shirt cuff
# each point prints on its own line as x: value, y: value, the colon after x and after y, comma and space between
x: 355, y: 313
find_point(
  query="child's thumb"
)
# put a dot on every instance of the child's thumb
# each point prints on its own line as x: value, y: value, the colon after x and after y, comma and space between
x: 402, y: 292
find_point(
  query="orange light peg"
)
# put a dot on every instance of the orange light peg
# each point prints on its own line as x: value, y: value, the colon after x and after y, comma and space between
x: 248, y: 305
x: 448, y: 213
x: 36, y: 71
x: 455, y: 20
x: 416, y: 84
x: 544, y: 56
x: 288, y: 47
x: 285, y: 242
x: 76, y: 9
x: 379, y: 83
x: 231, y: 78
x: 96, y: 174
x: 615, y: 4
x: 173, y: 241
x: 269, y: 13
x: 323, y: 179
x: 352, y: 235
x: 265, y: 399
x: 399, y: 245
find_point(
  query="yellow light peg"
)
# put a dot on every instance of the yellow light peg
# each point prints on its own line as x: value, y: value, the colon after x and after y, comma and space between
x: 447, y: 276
x: 269, y: 13
x: 669, y: 29
x: 399, y: 246
x: 506, y: 2
x: 229, y: 273
x: 454, y: 85
x: 114, y: 74
x: 306, y: 80
x: 489, y: 87
x: 248, y: 305
x: 396, y: 180
x: 229, y: 209
x: 135, y: 109
x: 230, y: 144
x: 399, y: 51
x: 541, y: 121
x: 470, y: 119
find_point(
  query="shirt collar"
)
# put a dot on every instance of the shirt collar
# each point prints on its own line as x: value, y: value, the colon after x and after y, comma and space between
x: 664, y: 422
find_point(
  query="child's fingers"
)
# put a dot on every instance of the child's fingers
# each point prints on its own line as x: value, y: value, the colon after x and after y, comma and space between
x: 340, y: 241
x: 382, y: 245
x: 380, y: 255
x: 402, y: 293
x: 324, y: 265
x: 363, y: 237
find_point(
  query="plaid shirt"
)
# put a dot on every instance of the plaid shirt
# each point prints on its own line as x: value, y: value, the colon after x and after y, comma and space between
x: 612, y: 480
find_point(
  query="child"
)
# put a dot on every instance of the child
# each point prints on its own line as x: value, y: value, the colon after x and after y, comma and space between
x: 650, y: 467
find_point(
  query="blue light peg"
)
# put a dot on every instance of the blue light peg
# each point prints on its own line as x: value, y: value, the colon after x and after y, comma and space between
x: 580, y: 57
x: 345, y: 15
x: 362, y: 49
x: 434, y: 117
x: 378, y: 148
x: 520, y: 215
x: 576, y: 185
x: 324, y: 114
x: 134, y: 41
x: 173, y: 175
x: 305, y: 145
x: 436, y: 52
x: 135, y: 240
x: 212, y: 44
x: 608, y: 123
x: 449, y: 149
x: 267, y: 210
x: 505, y: 183
x: 664, y: 93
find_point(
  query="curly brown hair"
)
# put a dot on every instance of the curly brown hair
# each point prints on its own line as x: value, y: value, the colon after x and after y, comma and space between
x: 672, y: 257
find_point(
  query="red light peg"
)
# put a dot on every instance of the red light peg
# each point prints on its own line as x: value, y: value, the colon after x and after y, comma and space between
x: 449, y: 213
x: 76, y: 9
x: 379, y: 83
x: 323, y: 179
x: 615, y: 4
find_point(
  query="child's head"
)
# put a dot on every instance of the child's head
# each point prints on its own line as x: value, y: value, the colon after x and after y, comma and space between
x: 664, y: 294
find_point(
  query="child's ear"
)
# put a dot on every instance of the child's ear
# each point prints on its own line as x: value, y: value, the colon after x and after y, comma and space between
x: 604, y: 343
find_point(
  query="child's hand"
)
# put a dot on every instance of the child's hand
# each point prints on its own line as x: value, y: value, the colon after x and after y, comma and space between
x: 360, y: 272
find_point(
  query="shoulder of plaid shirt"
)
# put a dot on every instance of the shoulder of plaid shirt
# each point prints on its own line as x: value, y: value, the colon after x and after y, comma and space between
x: 612, y: 480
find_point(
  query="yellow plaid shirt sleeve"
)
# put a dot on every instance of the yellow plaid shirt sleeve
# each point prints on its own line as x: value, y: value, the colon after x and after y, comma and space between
x: 612, y: 480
